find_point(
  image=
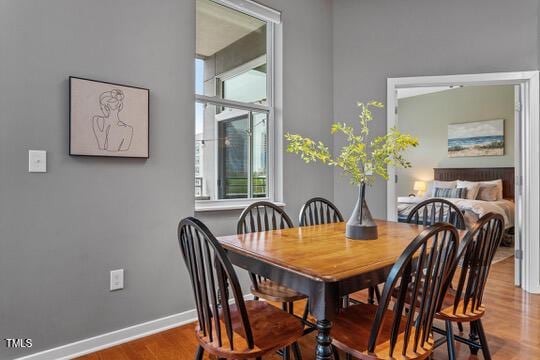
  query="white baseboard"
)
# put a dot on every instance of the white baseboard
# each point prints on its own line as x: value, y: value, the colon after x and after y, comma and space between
x: 100, y: 342
x: 117, y: 337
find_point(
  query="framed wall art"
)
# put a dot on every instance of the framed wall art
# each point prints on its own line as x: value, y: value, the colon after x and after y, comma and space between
x: 107, y: 119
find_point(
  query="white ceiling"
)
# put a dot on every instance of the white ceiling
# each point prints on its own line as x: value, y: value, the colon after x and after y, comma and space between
x: 218, y: 26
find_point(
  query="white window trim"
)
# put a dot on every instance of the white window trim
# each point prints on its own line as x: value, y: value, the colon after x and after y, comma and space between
x: 274, y: 62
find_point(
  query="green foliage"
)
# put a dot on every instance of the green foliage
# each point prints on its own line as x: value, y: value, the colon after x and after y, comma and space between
x: 361, y: 159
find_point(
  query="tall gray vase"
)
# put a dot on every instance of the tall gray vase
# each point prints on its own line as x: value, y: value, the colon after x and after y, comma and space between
x: 361, y: 225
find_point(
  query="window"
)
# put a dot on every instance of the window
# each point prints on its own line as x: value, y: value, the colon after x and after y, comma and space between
x: 234, y: 115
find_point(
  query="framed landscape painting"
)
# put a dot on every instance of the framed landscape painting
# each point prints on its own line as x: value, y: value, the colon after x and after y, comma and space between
x: 479, y: 138
x: 107, y: 119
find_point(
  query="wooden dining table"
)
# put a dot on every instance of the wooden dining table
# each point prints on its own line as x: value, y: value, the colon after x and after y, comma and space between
x: 320, y: 262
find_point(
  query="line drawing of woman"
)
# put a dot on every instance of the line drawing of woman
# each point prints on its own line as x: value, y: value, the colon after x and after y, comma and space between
x: 112, y: 134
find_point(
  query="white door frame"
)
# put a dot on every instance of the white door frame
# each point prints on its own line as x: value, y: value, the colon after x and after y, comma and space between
x: 527, y: 175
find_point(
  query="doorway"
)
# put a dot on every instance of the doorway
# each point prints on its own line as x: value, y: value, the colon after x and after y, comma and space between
x: 526, y: 162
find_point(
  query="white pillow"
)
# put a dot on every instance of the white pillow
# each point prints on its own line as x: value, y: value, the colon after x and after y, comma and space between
x: 440, y: 184
x: 472, y: 188
x: 499, y: 185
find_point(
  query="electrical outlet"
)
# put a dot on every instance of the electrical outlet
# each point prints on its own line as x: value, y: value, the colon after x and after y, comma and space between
x: 117, y: 279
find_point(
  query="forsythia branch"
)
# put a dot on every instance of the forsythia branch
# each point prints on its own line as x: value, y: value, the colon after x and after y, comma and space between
x: 360, y: 159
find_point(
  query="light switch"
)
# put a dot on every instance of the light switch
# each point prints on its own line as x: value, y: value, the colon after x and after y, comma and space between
x: 37, y: 161
x: 117, y: 279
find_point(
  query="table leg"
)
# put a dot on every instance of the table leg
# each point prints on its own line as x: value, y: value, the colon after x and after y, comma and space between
x: 324, y: 341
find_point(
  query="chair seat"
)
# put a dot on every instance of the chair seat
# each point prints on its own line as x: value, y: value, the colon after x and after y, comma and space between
x: 352, y: 328
x: 272, y: 291
x: 447, y: 310
x: 272, y: 329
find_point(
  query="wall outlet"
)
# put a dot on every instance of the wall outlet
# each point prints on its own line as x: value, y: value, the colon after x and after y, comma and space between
x: 117, y: 279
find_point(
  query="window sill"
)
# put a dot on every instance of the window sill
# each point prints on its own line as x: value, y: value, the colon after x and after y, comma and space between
x: 227, y: 205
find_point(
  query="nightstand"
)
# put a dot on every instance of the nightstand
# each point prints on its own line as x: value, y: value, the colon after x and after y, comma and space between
x: 410, y: 199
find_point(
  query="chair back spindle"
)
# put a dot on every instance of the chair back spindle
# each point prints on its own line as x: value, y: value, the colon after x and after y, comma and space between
x: 476, y: 253
x: 435, y: 210
x: 262, y: 216
x: 418, y: 278
x: 212, y: 279
x: 318, y: 211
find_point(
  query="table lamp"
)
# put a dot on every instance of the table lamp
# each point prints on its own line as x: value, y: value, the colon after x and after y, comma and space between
x: 419, y: 187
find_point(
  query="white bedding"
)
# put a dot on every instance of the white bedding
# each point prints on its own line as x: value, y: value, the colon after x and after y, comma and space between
x: 475, y: 209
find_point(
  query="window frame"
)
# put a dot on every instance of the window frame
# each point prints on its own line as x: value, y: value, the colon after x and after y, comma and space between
x: 274, y: 183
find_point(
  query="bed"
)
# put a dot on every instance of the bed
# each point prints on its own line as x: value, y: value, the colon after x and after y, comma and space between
x: 474, y: 209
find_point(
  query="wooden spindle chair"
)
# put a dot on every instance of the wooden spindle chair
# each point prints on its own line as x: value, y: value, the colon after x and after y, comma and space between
x: 243, y: 329
x: 368, y: 331
x: 435, y: 210
x: 463, y: 302
x: 317, y: 211
x: 265, y: 216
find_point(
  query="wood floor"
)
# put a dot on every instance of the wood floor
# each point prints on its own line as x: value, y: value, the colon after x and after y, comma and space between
x: 512, y: 324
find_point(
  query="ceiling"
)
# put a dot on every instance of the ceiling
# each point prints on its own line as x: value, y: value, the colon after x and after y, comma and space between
x: 218, y: 27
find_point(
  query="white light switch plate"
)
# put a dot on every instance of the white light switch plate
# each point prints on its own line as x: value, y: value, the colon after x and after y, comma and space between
x: 117, y: 279
x: 37, y: 161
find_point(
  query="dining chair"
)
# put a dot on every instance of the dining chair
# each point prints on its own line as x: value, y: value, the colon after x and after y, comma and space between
x: 266, y: 216
x: 239, y: 330
x: 367, y: 331
x: 463, y: 303
x: 317, y: 211
x: 435, y: 210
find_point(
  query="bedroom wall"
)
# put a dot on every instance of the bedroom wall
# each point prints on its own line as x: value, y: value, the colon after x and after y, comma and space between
x: 427, y: 117
x: 63, y: 231
x: 374, y: 40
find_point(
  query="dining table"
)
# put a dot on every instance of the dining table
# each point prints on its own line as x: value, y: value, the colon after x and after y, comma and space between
x: 322, y: 263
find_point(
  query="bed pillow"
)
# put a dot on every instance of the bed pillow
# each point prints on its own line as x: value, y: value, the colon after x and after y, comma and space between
x: 456, y: 193
x: 440, y: 184
x: 472, y: 188
x: 499, y: 185
x: 488, y: 192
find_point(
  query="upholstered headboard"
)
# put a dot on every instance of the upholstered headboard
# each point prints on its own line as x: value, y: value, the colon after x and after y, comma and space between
x: 479, y: 174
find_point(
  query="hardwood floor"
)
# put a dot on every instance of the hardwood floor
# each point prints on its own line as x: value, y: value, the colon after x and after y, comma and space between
x: 512, y: 324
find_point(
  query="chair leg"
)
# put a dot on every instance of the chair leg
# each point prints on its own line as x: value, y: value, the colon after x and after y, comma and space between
x: 306, y: 312
x: 450, y: 340
x: 460, y: 327
x: 473, y: 336
x: 377, y: 293
x: 297, y: 352
x: 291, y: 308
x: 483, y: 340
x: 287, y: 353
x: 371, y: 295
x: 200, y: 353
x: 335, y: 352
x: 348, y: 356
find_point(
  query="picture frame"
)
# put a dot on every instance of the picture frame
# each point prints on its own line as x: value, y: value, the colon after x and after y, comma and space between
x: 108, y: 119
x: 476, y: 138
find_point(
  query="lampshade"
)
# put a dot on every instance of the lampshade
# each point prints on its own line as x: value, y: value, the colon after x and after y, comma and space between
x: 419, y: 186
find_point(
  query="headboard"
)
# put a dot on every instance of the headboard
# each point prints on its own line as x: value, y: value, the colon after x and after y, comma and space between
x: 479, y: 174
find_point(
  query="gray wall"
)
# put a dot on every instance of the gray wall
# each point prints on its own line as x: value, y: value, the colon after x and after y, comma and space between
x: 427, y: 117
x: 374, y: 40
x: 61, y: 232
